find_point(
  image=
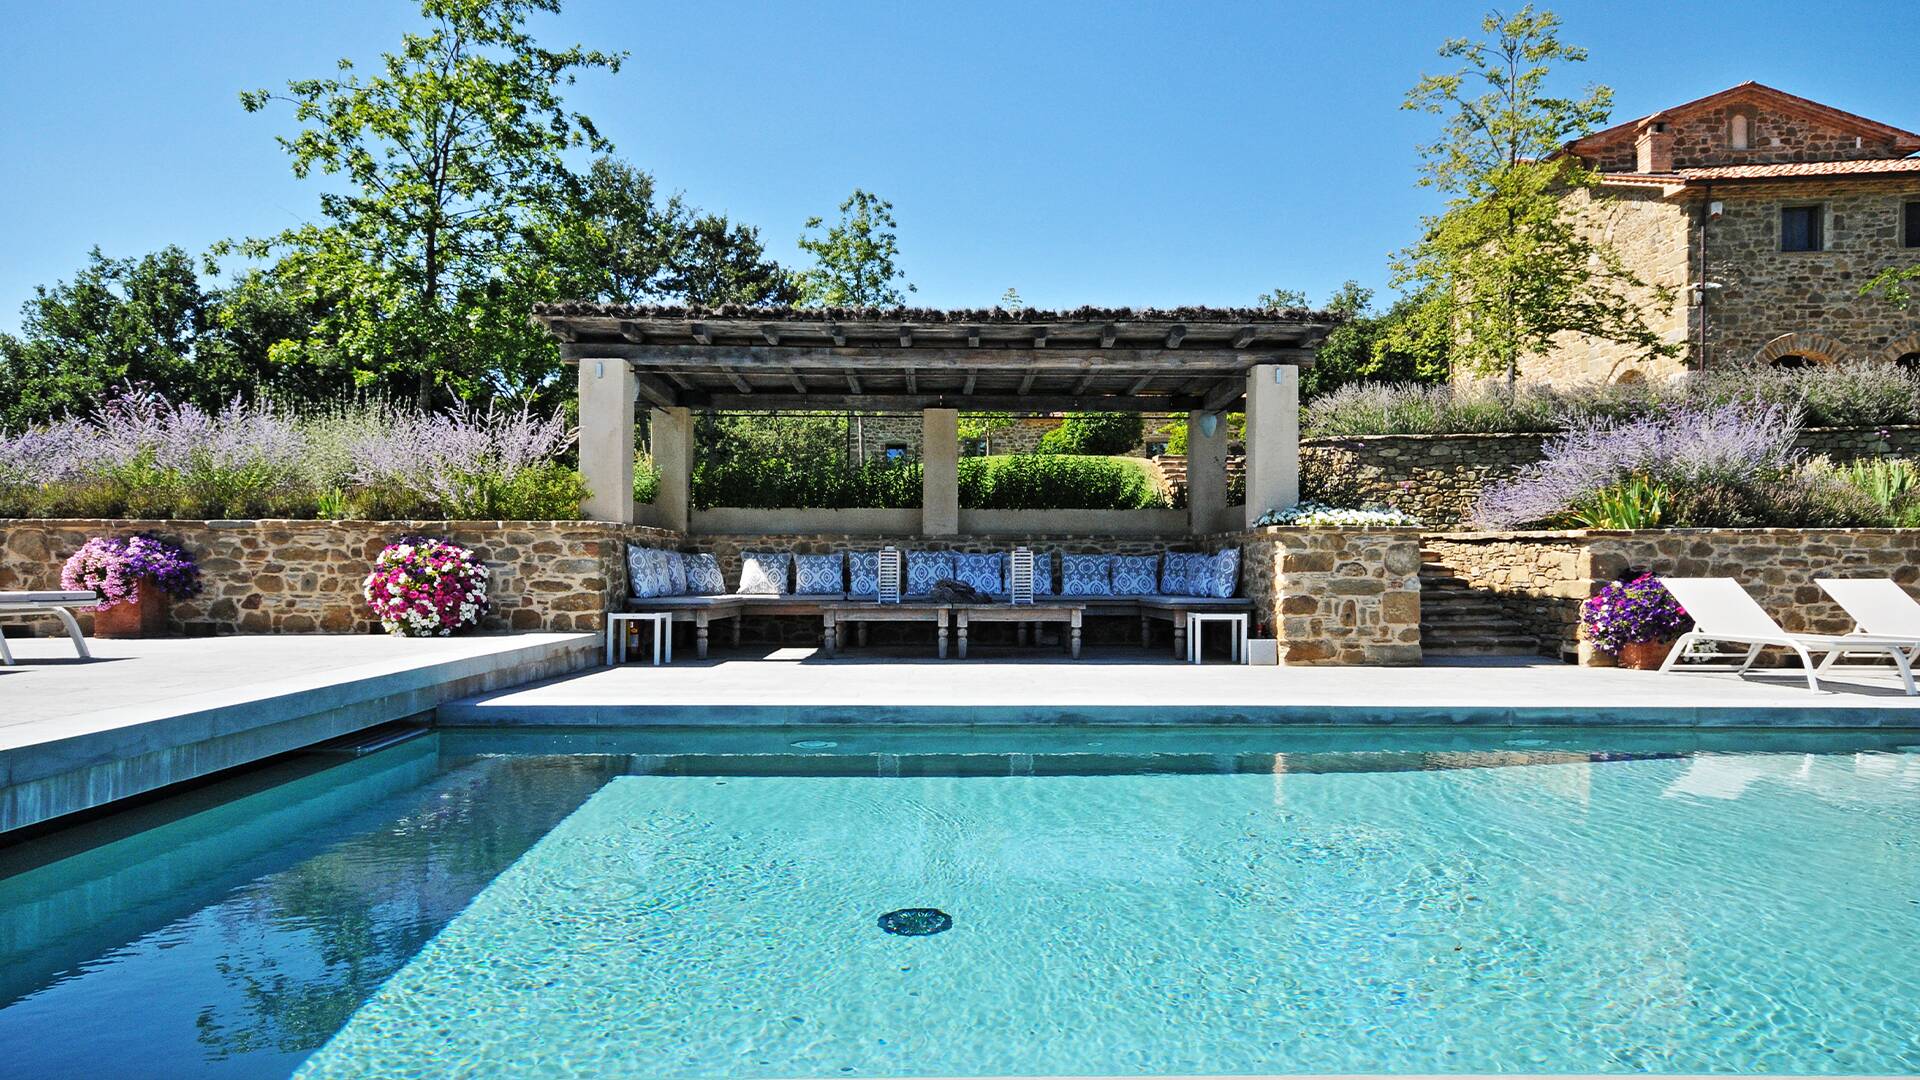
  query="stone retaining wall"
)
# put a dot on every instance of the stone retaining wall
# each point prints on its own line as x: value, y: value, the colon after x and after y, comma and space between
x: 1437, y: 478
x: 295, y: 577
x: 1334, y: 596
x: 1542, y: 577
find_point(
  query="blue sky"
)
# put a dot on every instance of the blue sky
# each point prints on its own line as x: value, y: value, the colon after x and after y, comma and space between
x: 1145, y: 153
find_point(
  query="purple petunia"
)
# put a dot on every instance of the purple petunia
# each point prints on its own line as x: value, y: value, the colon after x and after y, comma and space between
x: 115, y: 566
x: 1627, y: 612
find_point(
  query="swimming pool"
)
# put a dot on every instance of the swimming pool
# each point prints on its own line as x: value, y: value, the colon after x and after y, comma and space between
x: 678, y: 903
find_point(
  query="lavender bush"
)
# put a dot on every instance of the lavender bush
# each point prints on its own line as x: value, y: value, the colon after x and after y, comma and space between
x: 139, y: 456
x: 1732, y: 447
x: 1861, y: 394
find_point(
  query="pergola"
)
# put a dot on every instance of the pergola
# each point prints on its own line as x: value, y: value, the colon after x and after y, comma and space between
x: 1201, y: 361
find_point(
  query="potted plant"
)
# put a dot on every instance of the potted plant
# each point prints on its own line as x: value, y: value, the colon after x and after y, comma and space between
x: 135, y: 577
x: 422, y: 586
x: 1635, y: 620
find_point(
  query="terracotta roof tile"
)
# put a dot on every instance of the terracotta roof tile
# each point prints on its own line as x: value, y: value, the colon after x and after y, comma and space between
x: 1787, y: 170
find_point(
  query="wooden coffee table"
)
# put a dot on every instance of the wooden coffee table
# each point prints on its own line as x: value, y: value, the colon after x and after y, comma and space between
x: 866, y: 611
x: 1068, y: 614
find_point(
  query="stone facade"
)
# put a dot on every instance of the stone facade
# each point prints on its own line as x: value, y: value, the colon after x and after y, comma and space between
x: 874, y: 433
x: 300, y: 577
x: 1541, y: 578
x: 1438, y: 478
x: 1336, y: 596
x: 1761, y: 303
x: 1810, y: 297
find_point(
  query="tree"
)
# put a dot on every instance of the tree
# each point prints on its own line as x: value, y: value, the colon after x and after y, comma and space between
x: 1508, y: 267
x: 1095, y: 433
x: 1010, y: 300
x: 1894, y: 283
x: 618, y: 244
x: 449, y: 149
x: 854, y: 259
x: 1364, y: 345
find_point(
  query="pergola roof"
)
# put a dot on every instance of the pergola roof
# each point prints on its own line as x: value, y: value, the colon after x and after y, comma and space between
x: 905, y: 359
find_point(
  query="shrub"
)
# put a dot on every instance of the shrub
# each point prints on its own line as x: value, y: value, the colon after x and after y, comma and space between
x: 139, y: 456
x: 1734, y: 446
x: 787, y: 482
x: 646, y: 479
x: 1057, y: 482
x: 1636, y: 503
x: 1095, y: 434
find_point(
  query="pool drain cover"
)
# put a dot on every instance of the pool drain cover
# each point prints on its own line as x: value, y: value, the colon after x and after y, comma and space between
x: 916, y: 921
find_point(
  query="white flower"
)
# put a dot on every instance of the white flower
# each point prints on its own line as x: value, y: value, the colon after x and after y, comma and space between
x: 1316, y: 514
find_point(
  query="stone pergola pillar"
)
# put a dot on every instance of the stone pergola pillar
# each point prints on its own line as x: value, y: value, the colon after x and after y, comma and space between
x: 1273, y: 439
x: 671, y: 438
x: 1206, y: 473
x: 939, y: 472
x: 607, y: 390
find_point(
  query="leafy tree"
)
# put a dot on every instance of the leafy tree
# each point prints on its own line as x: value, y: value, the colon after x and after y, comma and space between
x: 449, y: 148
x: 1507, y: 267
x: 1894, y: 283
x: 151, y: 320
x: 618, y: 244
x: 1010, y: 300
x: 1366, y: 345
x: 854, y: 259
x: 1095, y: 433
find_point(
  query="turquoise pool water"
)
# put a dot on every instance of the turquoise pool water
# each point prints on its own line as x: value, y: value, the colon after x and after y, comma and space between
x: 708, y: 904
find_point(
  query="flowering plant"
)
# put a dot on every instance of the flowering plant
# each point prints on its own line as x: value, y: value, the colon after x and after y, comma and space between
x: 1308, y: 512
x: 114, y: 567
x: 422, y: 586
x: 1626, y: 612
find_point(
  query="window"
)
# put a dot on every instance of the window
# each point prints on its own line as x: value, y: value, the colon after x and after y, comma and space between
x: 1910, y: 227
x: 1737, y: 131
x: 896, y: 451
x: 1800, y: 228
x: 1792, y: 360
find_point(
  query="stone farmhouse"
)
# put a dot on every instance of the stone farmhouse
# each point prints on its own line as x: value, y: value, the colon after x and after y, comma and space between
x: 1765, y: 213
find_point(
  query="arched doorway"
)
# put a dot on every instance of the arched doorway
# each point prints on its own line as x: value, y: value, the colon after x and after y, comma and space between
x: 1800, y: 350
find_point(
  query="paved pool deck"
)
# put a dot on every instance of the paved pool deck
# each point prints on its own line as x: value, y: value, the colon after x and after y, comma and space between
x: 147, y: 714
x: 798, y: 686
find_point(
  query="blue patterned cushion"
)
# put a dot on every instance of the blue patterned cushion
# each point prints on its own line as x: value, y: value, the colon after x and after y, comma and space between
x: 817, y: 575
x: 647, y: 574
x: 703, y: 574
x: 1135, y: 575
x: 980, y: 571
x: 1086, y: 575
x: 924, y: 568
x: 863, y: 573
x: 1180, y: 573
x: 763, y: 573
x: 1222, y: 574
x: 676, y: 572
x: 1042, y: 574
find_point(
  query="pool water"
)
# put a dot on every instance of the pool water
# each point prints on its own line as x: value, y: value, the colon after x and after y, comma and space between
x: 1120, y: 902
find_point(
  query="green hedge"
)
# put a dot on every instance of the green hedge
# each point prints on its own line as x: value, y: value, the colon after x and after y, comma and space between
x: 1057, y: 482
x: 1009, y: 482
x: 1094, y: 434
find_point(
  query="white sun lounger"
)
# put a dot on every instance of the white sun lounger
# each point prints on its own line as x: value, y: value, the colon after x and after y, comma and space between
x: 1723, y: 611
x: 1877, y: 606
x: 47, y: 603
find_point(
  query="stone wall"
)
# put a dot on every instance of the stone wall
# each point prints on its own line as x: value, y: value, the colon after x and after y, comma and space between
x: 1335, y: 596
x: 1703, y: 138
x: 1767, y: 293
x: 297, y: 577
x: 1437, y: 478
x: 1542, y: 577
x: 1652, y: 237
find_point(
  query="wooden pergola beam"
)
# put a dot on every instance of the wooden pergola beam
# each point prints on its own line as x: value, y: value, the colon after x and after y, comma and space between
x: 763, y: 356
x: 770, y: 402
x: 656, y: 391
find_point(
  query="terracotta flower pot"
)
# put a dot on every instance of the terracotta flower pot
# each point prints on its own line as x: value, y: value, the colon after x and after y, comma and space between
x: 143, y: 617
x: 1643, y: 655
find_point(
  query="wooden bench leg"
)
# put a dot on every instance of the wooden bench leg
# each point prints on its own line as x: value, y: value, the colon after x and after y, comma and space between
x: 942, y: 633
x: 737, y: 620
x: 1179, y: 635
x: 1076, y: 635
x: 700, y: 634
x: 863, y: 635
x: 829, y: 633
x: 960, y: 633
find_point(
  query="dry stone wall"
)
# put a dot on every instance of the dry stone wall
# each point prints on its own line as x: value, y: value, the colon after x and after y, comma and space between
x: 303, y: 577
x: 1335, y: 596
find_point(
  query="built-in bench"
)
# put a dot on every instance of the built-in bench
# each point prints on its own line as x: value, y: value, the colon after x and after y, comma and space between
x: 779, y: 571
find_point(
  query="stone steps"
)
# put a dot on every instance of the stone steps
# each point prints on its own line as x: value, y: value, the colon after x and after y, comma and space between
x: 1458, y: 620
